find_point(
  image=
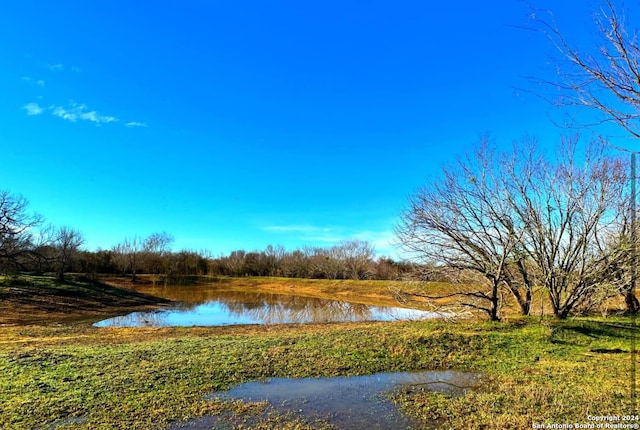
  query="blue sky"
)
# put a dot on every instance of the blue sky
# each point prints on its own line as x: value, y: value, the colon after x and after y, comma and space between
x: 238, y: 124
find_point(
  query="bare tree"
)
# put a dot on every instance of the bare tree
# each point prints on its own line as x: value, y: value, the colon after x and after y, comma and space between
x: 522, y: 221
x: 604, y: 79
x: 129, y: 255
x: 155, y: 249
x: 296, y: 264
x: 620, y: 261
x: 67, y: 241
x: 274, y: 256
x: 461, y: 220
x: 358, y: 256
x: 569, y: 210
x: 16, y: 231
x: 135, y: 254
x: 235, y: 262
x: 158, y: 242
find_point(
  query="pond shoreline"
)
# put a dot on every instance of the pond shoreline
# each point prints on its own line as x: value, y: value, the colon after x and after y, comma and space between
x: 28, y: 299
x: 369, y: 292
x: 42, y: 300
x: 219, y: 306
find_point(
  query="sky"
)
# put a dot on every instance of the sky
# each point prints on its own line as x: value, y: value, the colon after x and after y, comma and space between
x: 235, y: 124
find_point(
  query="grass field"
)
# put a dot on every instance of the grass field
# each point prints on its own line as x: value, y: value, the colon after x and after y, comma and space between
x: 79, y: 376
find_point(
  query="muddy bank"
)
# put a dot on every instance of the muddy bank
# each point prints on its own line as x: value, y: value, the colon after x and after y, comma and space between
x: 43, y: 300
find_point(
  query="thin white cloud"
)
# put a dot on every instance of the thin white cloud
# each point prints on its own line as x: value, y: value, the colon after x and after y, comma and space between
x: 94, y: 117
x: 383, y: 241
x: 329, y: 239
x: 39, y: 82
x: 135, y: 124
x: 61, y: 112
x: 295, y: 228
x: 33, y: 109
x: 75, y: 112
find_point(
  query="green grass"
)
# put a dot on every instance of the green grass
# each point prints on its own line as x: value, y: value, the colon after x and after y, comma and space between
x: 561, y: 373
x: 146, y: 378
x: 550, y: 372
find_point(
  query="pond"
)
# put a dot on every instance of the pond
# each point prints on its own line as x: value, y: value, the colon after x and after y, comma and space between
x: 358, y: 402
x: 209, y: 306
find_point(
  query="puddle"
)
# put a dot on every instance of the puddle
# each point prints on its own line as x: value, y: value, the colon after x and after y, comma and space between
x: 358, y: 402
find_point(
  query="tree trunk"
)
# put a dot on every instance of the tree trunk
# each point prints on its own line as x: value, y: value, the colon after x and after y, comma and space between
x: 495, y: 301
x: 526, y: 309
x: 633, y: 305
x: 524, y: 303
x: 562, y: 313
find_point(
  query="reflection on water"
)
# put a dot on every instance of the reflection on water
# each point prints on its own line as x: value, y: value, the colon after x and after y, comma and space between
x: 359, y: 402
x: 213, y: 307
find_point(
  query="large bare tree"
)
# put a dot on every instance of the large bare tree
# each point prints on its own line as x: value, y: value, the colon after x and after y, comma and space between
x: 603, y: 78
x: 521, y: 221
x: 462, y: 221
x: 570, y: 210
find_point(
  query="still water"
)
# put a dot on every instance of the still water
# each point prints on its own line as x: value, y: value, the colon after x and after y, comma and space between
x: 209, y: 306
x: 358, y: 402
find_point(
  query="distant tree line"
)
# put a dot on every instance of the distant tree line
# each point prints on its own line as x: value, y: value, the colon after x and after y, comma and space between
x: 352, y: 259
x: 28, y: 245
x: 347, y: 260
